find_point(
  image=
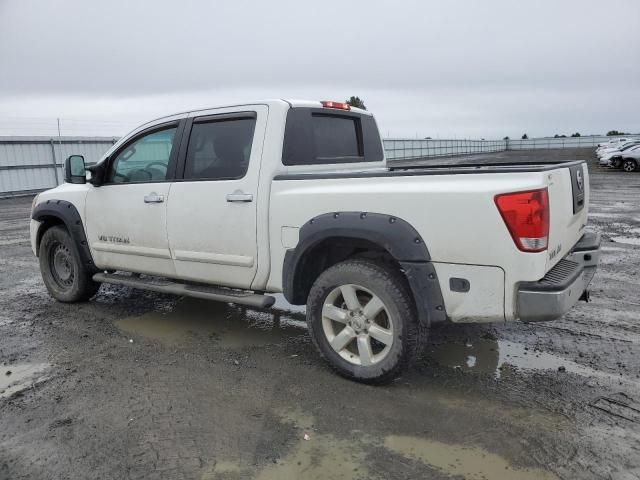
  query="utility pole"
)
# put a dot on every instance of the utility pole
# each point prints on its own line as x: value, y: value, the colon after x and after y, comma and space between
x: 60, y: 148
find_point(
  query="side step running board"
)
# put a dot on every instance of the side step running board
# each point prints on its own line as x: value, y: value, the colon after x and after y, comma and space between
x: 218, y: 294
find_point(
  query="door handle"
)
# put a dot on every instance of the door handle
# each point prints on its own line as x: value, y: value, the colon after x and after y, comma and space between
x: 153, y: 197
x: 239, y: 196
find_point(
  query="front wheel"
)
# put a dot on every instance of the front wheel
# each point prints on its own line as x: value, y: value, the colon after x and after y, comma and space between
x: 629, y: 165
x: 363, y: 321
x: 67, y: 279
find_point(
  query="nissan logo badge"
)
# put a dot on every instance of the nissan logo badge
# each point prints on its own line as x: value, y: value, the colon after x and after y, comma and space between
x: 579, y: 180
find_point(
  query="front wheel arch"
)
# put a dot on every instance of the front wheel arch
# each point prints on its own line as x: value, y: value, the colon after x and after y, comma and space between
x: 47, y: 222
x: 51, y: 213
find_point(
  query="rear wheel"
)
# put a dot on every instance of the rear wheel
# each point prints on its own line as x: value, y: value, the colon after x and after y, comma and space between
x: 629, y: 165
x: 67, y: 279
x: 363, y: 321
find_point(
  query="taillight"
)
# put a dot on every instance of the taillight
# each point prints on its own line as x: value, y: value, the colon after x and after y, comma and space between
x: 338, y: 105
x: 526, y: 215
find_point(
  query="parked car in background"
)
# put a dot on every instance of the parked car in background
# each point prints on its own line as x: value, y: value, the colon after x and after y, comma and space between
x: 614, y: 157
x: 606, y: 151
x: 631, y: 159
x: 613, y: 145
x: 613, y: 142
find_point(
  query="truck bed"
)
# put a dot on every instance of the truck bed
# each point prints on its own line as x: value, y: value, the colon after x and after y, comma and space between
x: 507, y: 157
x: 436, y: 167
x: 454, y: 212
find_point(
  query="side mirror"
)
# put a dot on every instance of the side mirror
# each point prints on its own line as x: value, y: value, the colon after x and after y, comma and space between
x: 97, y: 173
x: 74, y: 169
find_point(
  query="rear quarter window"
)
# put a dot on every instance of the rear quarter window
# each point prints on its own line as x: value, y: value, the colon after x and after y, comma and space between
x: 317, y: 136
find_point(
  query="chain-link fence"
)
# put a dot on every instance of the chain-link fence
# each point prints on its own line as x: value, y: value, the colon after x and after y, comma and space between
x: 562, y: 142
x: 407, y: 149
x: 29, y: 164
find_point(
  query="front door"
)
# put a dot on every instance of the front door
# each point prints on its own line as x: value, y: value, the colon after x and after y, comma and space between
x: 212, y: 210
x: 127, y: 216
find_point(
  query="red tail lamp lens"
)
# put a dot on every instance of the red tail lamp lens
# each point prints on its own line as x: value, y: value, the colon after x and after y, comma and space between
x: 526, y: 215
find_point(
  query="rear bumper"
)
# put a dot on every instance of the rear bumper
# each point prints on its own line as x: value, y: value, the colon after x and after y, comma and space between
x: 563, y: 285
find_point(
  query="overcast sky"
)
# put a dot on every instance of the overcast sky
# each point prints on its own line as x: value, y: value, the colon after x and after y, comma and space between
x: 441, y: 69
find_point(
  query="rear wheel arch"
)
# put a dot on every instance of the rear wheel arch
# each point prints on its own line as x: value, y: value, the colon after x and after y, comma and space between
x: 331, y: 238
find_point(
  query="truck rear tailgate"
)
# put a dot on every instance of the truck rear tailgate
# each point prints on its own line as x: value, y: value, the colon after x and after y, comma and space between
x: 568, y: 188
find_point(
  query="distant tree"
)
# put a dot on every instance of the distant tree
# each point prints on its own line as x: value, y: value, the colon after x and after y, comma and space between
x: 559, y: 136
x: 427, y: 138
x: 356, y: 102
x: 577, y: 134
x: 611, y: 133
x: 525, y: 137
x: 506, y: 138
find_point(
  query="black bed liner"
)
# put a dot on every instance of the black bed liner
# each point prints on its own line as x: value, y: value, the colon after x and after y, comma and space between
x: 458, y: 169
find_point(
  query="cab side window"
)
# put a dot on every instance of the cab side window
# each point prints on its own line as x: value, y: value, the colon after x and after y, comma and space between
x: 219, y: 149
x: 146, y: 159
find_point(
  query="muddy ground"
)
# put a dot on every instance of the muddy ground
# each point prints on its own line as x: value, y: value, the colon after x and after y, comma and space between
x: 141, y: 385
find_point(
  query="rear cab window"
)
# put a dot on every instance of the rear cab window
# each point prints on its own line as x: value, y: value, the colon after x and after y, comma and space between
x: 320, y: 136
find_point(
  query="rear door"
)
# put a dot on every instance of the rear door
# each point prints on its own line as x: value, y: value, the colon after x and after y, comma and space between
x: 211, y: 216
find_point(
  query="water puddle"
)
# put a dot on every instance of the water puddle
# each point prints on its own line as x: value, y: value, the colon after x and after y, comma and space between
x: 228, y: 325
x: 486, y: 355
x: 468, y: 462
x: 21, y: 376
x: 627, y: 240
x: 316, y: 456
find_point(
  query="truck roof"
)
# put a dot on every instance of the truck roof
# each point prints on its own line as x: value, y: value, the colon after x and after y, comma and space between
x: 293, y: 103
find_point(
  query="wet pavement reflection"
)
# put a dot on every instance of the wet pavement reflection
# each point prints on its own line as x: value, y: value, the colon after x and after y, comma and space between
x: 487, y: 354
x: 227, y: 325
x: 20, y: 376
x: 233, y: 326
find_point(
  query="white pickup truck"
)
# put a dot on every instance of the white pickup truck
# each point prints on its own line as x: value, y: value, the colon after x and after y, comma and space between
x: 237, y: 202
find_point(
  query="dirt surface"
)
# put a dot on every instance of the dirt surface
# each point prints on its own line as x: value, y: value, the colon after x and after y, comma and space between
x: 141, y: 385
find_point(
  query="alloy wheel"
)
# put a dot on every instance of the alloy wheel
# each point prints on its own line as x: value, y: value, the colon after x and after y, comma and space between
x: 357, y: 325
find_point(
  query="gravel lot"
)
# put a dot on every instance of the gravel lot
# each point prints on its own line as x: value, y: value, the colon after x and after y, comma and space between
x: 141, y: 385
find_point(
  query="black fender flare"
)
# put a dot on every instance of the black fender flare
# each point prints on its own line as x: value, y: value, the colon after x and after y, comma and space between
x: 68, y: 214
x: 393, y: 234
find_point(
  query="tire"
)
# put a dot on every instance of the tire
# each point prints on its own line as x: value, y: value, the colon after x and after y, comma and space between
x: 350, y: 301
x: 67, y: 279
x: 629, y: 165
